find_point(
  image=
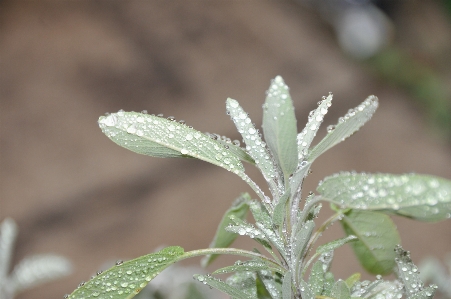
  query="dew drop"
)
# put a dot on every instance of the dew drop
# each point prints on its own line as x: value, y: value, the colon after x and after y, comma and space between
x: 184, y: 151
x: 189, y: 137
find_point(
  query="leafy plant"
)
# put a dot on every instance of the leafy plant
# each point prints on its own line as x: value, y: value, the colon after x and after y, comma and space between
x: 289, y: 268
x: 31, y: 271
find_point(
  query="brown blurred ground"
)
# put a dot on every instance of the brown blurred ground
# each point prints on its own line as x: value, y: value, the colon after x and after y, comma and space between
x: 75, y: 193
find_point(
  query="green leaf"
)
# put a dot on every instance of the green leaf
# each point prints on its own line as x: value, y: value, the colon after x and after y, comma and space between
x: 286, y: 286
x: 340, y: 290
x: 421, y: 197
x: 305, y: 138
x: 262, y: 291
x: 377, y: 238
x: 306, y: 291
x: 280, y: 209
x: 272, y: 283
x: 224, y: 238
x: 316, y: 279
x: 351, y: 280
x: 237, y: 151
x: 346, y: 126
x: 279, y: 126
x: 329, y: 282
x: 223, y: 287
x: 251, y: 265
x: 245, y: 282
x: 159, y: 137
x: 254, y: 145
x: 126, y: 280
x: 335, y: 244
x: 301, y: 240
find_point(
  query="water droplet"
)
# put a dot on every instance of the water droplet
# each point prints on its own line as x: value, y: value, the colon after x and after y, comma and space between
x: 124, y: 284
x: 189, y: 137
x: 184, y: 151
x: 251, y: 131
x: 234, y: 104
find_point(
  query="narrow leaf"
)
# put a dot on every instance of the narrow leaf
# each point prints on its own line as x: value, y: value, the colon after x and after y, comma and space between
x: 223, y: 287
x: 224, y: 238
x: 280, y: 209
x: 329, y: 282
x: 315, y: 118
x: 377, y: 238
x: 159, y: 137
x: 340, y: 290
x: 335, y: 244
x: 126, y: 280
x: 346, y: 126
x: 252, y: 265
x: 316, y: 279
x: 279, y: 126
x: 301, y: 240
x: 262, y: 291
x: 421, y: 197
x: 351, y: 280
x: 286, y: 286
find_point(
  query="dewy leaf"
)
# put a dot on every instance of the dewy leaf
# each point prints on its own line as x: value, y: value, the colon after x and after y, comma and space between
x: 286, y: 286
x: 316, y: 279
x: 272, y: 283
x: 315, y: 118
x: 159, y: 137
x: 216, y: 283
x: 251, y: 265
x: 280, y: 209
x: 306, y: 291
x: 346, y: 126
x: 125, y: 280
x: 223, y: 238
x: 340, y: 290
x: 301, y: 240
x: 422, y: 197
x: 377, y: 239
x: 237, y: 151
x: 279, y: 126
x: 254, y: 145
x: 409, y: 274
x: 335, y: 244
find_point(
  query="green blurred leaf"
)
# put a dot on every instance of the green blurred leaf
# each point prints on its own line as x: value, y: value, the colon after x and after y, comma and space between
x: 224, y: 238
x: 159, y: 137
x: 340, y: 290
x: 262, y: 291
x: 273, y: 283
x: 306, y: 291
x: 422, y: 197
x: 377, y: 239
x: 223, y: 287
x: 329, y: 282
x: 351, y: 280
x: 346, y: 126
x: 335, y: 244
x: 279, y: 126
x: 128, y: 279
x: 316, y: 279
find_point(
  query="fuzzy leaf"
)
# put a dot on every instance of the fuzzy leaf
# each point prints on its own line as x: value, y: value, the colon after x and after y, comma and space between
x: 128, y: 279
x: 254, y: 145
x: 346, y: 126
x: 251, y: 265
x: 224, y: 238
x: 286, y: 286
x: 279, y: 126
x: 377, y: 238
x: 316, y: 279
x: 237, y: 151
x: 335, y: 244
x: 306, y: 290
x: 280, y: 209
x: 272, y: 283
x: 340, y: 290
x: 245, y: 282
x: 315, y: 118
x: 422, y: 197
x: 159, y: 137
x: 222, y: 286
x: 301, y: 239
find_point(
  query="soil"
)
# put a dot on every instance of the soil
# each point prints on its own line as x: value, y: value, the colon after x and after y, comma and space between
x: 73, y: 192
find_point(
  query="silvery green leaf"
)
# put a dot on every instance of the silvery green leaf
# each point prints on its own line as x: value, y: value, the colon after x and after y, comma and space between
x: 335, y: 244
x: 224, y: 238
x: 306, y: 290
x: 316, y: 279
x: 315, y: 118
x: 223, y: 287
x: 262, y: 291
x: 340, y: 290
x: 245, y: 282
x: 126, y: 280
x: 159, y: 137
x: 251, y: 265
x: 301, y: 240
x: 254, y: 145
x: 38, y: 269
x: 329, y: 282
x: 286, y: 286
x: 409, y: 274
x: 237, y: 151
x: 296, y: 186
x: 377, y: 288
x: 422, y: 197
x: 346, y: 126
x: 271, y: 282
x: 279, y: 126
x: 8, y: 234
x: 280, y: 209
x: 377, y: 238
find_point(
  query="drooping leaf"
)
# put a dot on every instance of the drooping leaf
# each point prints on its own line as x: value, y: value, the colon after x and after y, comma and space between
x: 224, y: 238
x: 223, y: 287
x: 315, y: 118
x: 335, y: 244
x: 346, y: 126
x: 279, y: 126
x: 377, y: 238
x: 159, y: 137
x: 409, y: 274
x: 316, y: 279
x: 422, y: 197
x: 254, y: 145
x: 340, y: 290
x: 286, y: 286
x: 125, y: 280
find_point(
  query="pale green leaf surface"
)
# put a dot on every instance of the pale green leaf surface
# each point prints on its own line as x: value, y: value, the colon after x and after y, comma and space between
x: 306, y: 290
x: 128, y: 279
x: 340, y: 290
x: 316, y: 278
x: 286, y: 286
x: 279, y: 126
x: 280, y: 209
x: 159, y: 137
x: 244, y: 281
x: 335, y: 244
x: 377, y: 239
x: 223, y: 287
x: 301, y: 239
x: 262, y: 291
x: 329, y: 282
x: 422, y: 197
x: 315, y: 118
x: 272, y: 284
x: 251, y: 265
x: 346, y: 126
x: 254, y: 145
x: 237, y: 151
x: 224, y: 238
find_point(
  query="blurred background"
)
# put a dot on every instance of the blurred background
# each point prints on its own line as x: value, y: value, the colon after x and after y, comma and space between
x: 64, y: 63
